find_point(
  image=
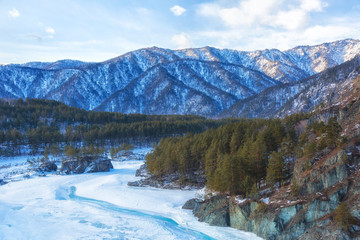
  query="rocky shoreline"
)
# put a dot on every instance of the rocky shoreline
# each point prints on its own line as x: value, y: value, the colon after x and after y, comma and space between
x: 172, y: 181
x: 86, y: 164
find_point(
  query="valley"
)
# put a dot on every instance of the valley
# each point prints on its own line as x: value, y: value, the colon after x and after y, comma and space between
x: 262, y: 142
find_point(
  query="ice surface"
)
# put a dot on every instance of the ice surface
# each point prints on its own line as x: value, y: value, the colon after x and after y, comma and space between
x: 100, y: 206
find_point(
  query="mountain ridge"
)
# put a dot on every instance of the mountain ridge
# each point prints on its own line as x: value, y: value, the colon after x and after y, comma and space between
x: 251, y: 107
x: 224, y: 76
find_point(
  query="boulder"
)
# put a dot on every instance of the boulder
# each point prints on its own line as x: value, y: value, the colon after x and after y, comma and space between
x: 214, y: 211
x: 191, y: 204
x: 141, y: 172
x: 47, y: 167
x: 134, y: 184
x: 86, y: 164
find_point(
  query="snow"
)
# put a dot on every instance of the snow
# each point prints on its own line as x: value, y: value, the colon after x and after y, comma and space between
x: 100, y: 206
x: 240, y: 200
x: 14, y: 168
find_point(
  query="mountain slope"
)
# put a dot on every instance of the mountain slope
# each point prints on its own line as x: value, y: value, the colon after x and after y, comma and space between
x: 221, y: 76
x: 325, y: 87
x: 188, y: 87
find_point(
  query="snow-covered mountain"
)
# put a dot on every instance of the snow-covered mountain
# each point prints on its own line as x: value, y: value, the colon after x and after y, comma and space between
x: 331, y: 86
x: 203, y: 81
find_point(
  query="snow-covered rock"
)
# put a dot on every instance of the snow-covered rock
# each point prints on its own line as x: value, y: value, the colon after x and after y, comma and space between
x: 87, y: 164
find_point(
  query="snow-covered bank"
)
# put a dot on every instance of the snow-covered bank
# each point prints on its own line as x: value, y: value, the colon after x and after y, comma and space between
x: 103, y: 207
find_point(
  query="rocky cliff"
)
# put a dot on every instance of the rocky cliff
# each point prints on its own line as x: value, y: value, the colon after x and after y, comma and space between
x: 304, y: 213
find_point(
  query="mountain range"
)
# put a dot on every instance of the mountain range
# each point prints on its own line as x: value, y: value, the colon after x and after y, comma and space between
x: 204, y: 81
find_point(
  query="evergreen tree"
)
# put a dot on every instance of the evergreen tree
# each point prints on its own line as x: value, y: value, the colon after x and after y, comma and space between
x: 275, y: 169
x: 70, y: 151
x: 258, y: 158
x: 343, y: 217
x: 333, y: 131
x: 310, y: 148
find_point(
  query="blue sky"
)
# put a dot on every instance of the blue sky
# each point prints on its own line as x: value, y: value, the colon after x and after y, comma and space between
x: 94, y: 30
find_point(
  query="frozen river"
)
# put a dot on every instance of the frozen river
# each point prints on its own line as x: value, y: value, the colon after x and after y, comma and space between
x: 100, y: 206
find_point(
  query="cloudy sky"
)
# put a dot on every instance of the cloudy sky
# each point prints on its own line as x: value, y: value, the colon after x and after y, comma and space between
x: 94, y: 30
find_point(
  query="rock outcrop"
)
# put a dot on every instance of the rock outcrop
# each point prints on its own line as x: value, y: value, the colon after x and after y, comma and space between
x: 173, y: 181
x: 87, y: 164
x: 307, y: 214
x: 47, y: 167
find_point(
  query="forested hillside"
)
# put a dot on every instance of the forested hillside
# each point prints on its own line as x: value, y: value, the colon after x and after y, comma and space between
x: 36, y: 124
x: 291, y: 178
x: 239, y: 157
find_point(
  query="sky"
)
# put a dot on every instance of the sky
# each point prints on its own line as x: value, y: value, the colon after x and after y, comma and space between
x: 94, y: 30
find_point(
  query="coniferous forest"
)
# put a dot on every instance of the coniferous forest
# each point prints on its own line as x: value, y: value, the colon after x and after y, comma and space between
x: 46, y: 124
x: 239, y: 157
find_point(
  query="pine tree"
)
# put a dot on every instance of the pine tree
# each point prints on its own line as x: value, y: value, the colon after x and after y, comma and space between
x: 46, y: 153
x: 258, y: 158
x: 343, y: 217
x: 333, y: 131
x: 246, y: 185
x: 211, y: 164
x: 311, y: 148
x: 70, y: 151
x: 275, y: 170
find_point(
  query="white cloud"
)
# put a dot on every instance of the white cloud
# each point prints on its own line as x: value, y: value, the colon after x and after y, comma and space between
x: 291, y: 20
x: 177, y: 10
x: 243, y: 13
x: 50, y: 30
x: 14, y: 13
x: 313, y: 5
x: 209, y: 10
x: 40, y: 37
x: 324, y: 33
x: 266, y: 13
x: 261, y: 38
x: 259, y: 24
x: 181, y: 40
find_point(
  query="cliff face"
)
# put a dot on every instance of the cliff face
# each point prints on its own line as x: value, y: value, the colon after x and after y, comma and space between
x: 331, y: 179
